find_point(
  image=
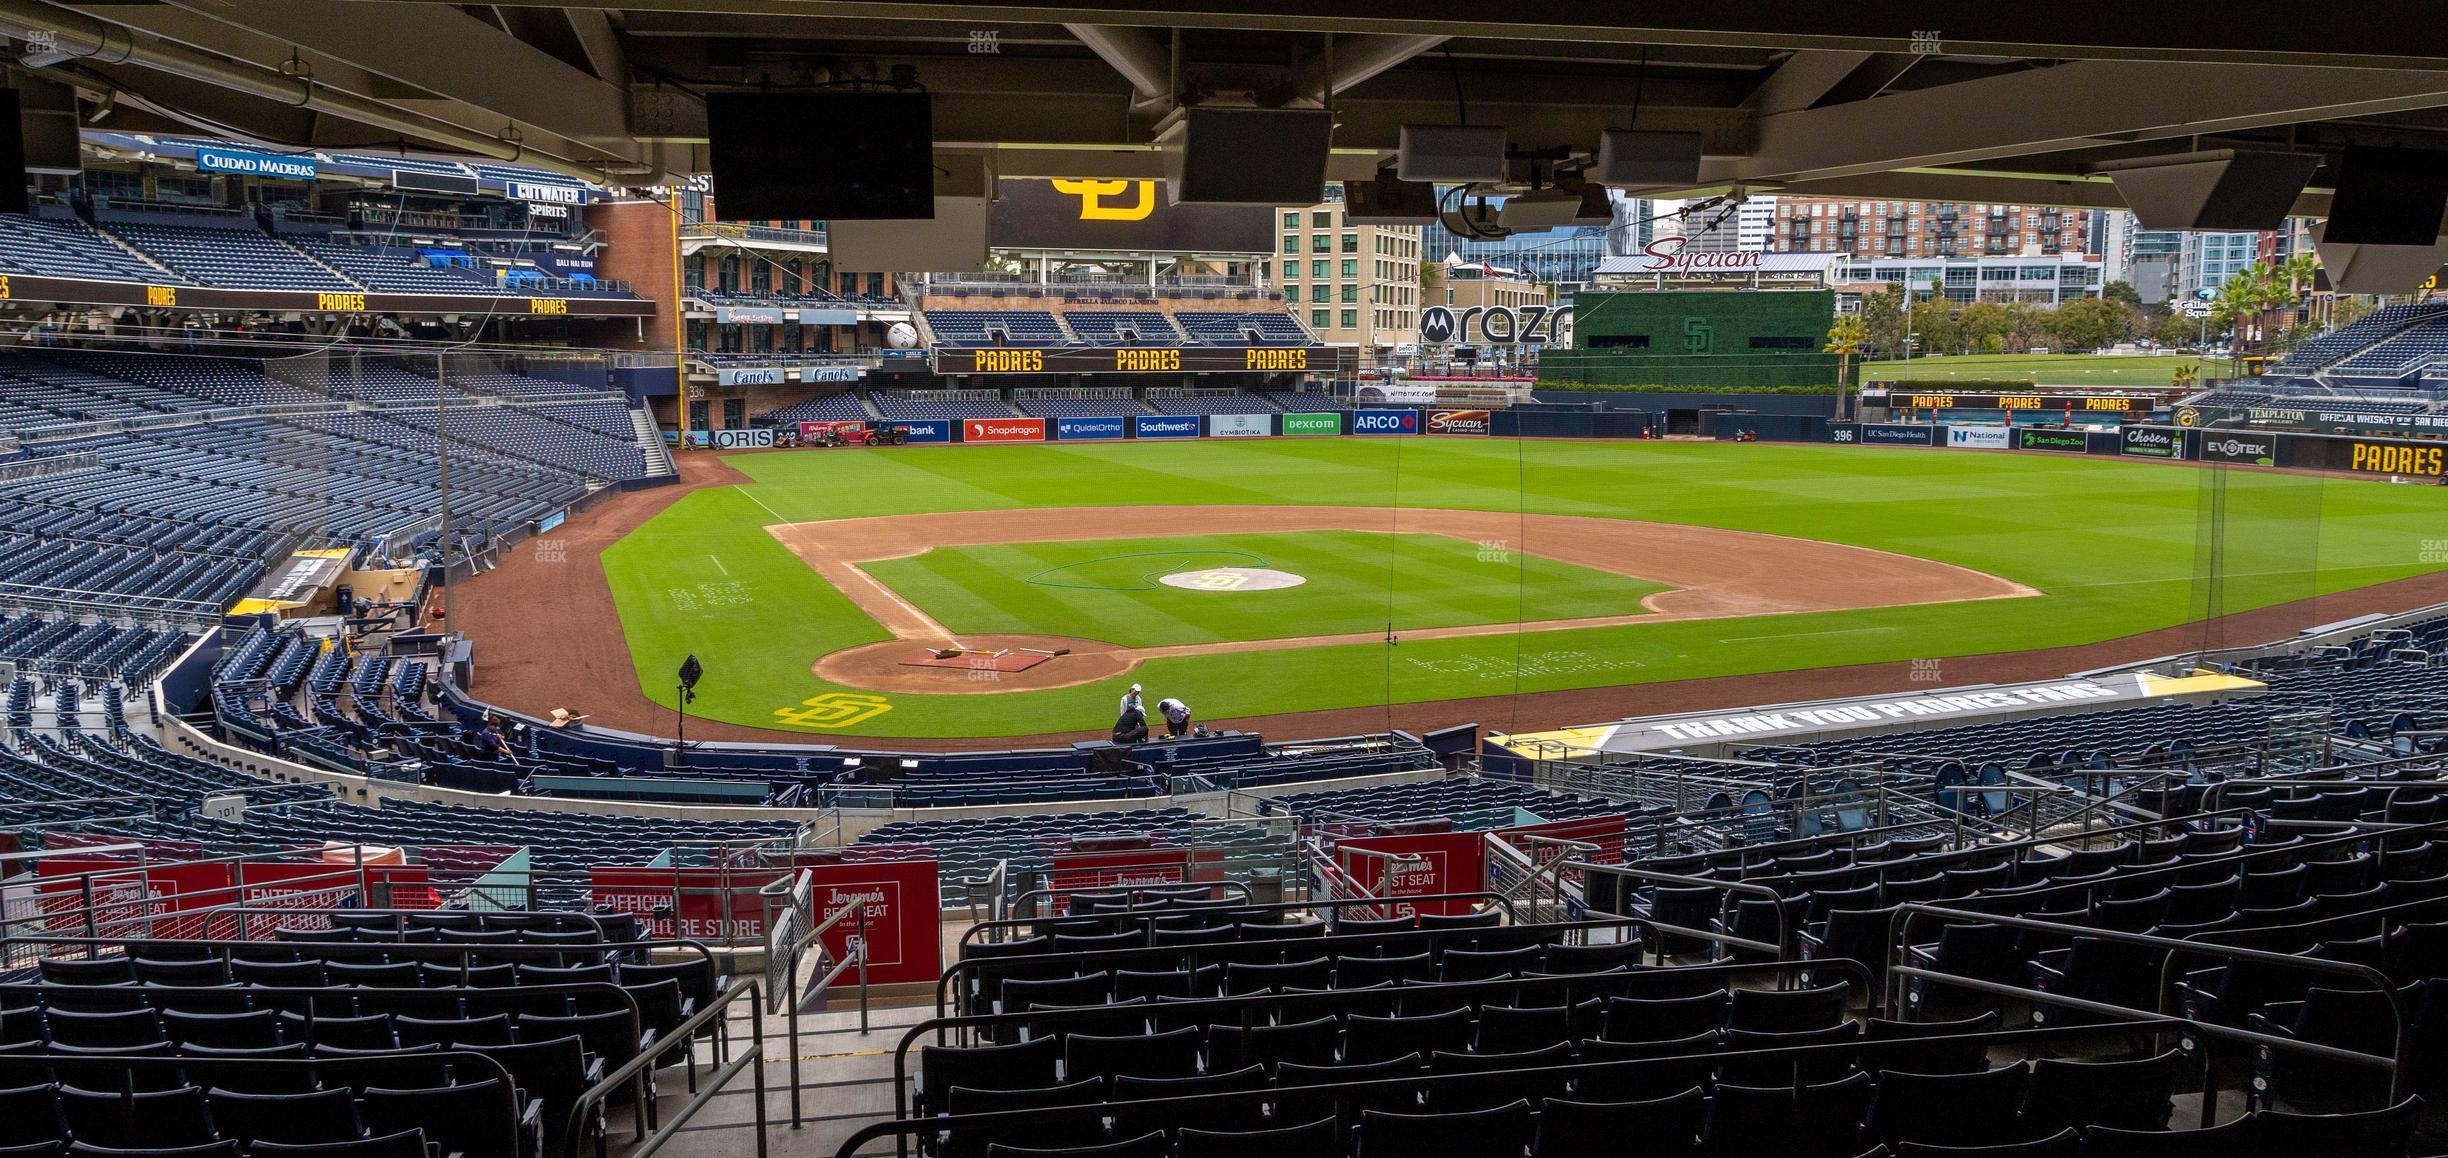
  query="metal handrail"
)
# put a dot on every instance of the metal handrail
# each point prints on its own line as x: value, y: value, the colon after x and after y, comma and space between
x: 228, y: 946
x: 972, y: 933
x: 858, y: 957
x: 1027, y: 902
x: 631, y: 1073
x: 1900, y: 970
x: 1776, y: 904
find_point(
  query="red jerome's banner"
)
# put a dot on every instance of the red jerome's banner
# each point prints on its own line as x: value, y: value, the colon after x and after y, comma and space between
x: 1088, y: 871
x: 1003, y: 430
x: 904, y: 904
x: 810, y: 431
x: 1424, y: 864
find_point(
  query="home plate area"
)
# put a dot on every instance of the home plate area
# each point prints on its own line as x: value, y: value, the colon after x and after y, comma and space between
x: 1233, y: 579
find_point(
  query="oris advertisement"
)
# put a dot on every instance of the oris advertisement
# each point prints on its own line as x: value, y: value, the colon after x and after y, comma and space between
x: 2154, y: 441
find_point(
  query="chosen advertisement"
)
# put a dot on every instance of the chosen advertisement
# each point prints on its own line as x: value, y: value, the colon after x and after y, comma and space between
x: 1165, y: 426
x: 1897, y: 434
x: 1074, y: 429
x: 2064, y: 441
x: 1239, y: 426
x: 743, y: 438
x: 1457, y: 422
x: 2250, y: 447
x: 924, y: 429
x: 1978, y: 437
x: 1311, y: 425
x: 2154, y: 441
x: 1385, y: 422
x: 1003, y: 430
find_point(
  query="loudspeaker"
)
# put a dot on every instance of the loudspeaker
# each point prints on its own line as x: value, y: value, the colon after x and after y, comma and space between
x: 1267, y: 157
x: 1452, y: 154
x: 952, y: 241
x: 1638, y: 158
x: 2220, y: 189
x: 832, y: 156
x: 2389, y: 196
x: 2377, y: 269
x: 1389, y: 200
x: 13, y: 175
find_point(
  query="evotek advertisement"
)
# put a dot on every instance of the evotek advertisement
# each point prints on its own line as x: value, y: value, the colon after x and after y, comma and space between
x: 2251, y: 447
x: 1120, y: 215
x: 1385, y: 422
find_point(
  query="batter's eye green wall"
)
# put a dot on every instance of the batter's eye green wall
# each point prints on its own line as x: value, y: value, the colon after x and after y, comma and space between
x: 1696, y: 340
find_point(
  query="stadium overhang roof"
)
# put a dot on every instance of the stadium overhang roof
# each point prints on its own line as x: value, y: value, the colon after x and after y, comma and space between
x: 1888, y: 98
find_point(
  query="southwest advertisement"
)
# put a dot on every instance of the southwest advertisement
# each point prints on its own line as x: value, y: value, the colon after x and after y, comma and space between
x: 1165, y: 426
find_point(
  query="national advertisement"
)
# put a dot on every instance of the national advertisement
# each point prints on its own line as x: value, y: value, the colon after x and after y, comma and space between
x: 1239, y: 426
x: 1978, y: 437
x: 1385, y: 422
x: 1457, y: 422
x: 1074, y: 429
x: 1003, y: 430
x: 2249, y: 447
x: 1165, y: 426
x: 2041, y: 438
x: 1897, y: 434
x: 2154, y: 441
x: 1312, y: 425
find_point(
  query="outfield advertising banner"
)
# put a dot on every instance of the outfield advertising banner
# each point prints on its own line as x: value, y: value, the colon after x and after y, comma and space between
x: 743, y: 438
x: 1239, y: 426
x: 1310, y: 425
x: 1978, y: 437
x: 2250, y: 447
x: 1457, y: 422
x: 923, y: 429
x: 1385, y: 422
x: 2369, y: 456
x: 2154, y: 441
x: 1003, y: 430
x: 2040, y: 438
x: 1165, y: 426
x: 1897, y: 434
x: 1076, y: 429
x: 811, y: 431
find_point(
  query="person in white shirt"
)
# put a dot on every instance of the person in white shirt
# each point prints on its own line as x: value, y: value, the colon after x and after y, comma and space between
x: 1131, y: 702
x: 1176, y: 716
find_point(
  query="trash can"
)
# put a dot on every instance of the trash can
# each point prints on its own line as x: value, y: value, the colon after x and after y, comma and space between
x: 1266, y: 886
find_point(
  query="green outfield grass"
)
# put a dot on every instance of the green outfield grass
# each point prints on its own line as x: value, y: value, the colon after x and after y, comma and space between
x: 1106, y: 589
x: 2113, y: 543
x: 2043, y: 369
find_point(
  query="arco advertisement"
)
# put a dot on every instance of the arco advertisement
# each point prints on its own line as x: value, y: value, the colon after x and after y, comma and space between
x: 1385, y: 422
x: 1076, y: 429
x: 1003, y: 430
x: 1311, y: 425
x: 1165, y: 426
x: 1239, y: 426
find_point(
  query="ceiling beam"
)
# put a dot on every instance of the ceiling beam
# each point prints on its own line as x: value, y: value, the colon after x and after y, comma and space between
x: 2074, y: 105
x: 593, y: 31
x: 2368, y: 33
x: 1140, y: 56
x: 1803, y: 78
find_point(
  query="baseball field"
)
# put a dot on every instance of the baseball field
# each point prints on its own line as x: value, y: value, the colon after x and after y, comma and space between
x: 989, y: 591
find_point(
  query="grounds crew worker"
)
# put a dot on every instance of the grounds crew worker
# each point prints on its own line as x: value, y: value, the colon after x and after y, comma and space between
x: 1176, y: 716
x: 1131, y: 703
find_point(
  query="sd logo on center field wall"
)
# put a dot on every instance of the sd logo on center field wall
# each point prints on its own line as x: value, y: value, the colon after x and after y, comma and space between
x: 833, y: 710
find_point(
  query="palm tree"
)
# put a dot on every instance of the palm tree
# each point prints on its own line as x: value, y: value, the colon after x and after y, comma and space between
x: 1845, y: 338
x: 2188, y: 375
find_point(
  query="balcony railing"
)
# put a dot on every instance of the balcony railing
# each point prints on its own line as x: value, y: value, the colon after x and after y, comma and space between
x: 727, y: 231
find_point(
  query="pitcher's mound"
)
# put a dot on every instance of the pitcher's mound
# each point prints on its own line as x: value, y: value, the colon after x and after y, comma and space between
x: 1233, y: 579
x: 993, y: 663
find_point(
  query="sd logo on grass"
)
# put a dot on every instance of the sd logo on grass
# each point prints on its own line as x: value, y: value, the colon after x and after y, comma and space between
x: 833, y: 710
x: 1214, y: 580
